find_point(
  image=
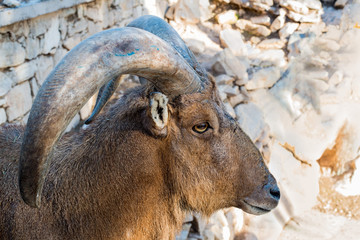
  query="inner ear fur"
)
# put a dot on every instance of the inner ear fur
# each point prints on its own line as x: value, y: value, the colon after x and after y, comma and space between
x: 157, y: 114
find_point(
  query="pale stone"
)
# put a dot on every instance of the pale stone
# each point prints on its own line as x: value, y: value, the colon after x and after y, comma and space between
x: 288, y: 29
x: 295, y: 6
x: 32, y: 49
x: 262, y: 20
x: 313, y: 4
x: 273, y: 56
x: 260, y: 6
x: 235, y: 218
x: 5, y: 84
x: 59, y: 54
x: 235, y: 100
x: 11, y: 3
x: 2, y: 102
x: 229, y: 109
x: 233, y: 40
x: 88, y: 107
x: 93, y: 13
x: 2, y: 116
x: 229, y: 90
x: 340, y: 3
x: 278, y: 22
x: 227, y: 17
x: 264, y: 78
x: 250, y: 119
x: 333, y: 33
x: 74, y: 122
x: 255, y: 29
x: 77, y: 27
x: 196, y: 46
x: 327, y: 44
x: 44, y: 66
x: 23, y: 72
x: 11, y: 54
x: 192, y: 11
x: 52, y: 37
x: 227, y: 63
x: 312, y: 17
x: 71, y: 42
x: 317, y: 74
x: 315, y: 225
x: 217, y: 227
x: 224, y: 79
x: 336, y: 78
x: 255, y: 40
x: 19, y: 100
x: 271, y: 43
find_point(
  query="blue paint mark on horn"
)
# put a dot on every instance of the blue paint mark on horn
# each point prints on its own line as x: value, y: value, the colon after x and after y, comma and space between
x: 153, y: 46
x: 124, y: 55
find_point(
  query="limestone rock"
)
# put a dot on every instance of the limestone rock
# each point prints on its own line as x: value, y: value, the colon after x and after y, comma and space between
x: 264, y: 78
x: 44, y: 66
x: 11, y: 54
x: 255, y: 29
x: 2, y: 102
x: 327, y: 44
x: 77, y: 27
x: 228, y: 17
x: 23, y: 72
x: 251, y: 120
x: 217, y: 227
x: 227, y: 63
x: 271, y: 43
x: 340, y: 3
x: 74, y: 122
x: 288, y: 29
x: 235, y: 218
x: 262, y: 20
x: 313, y: 4
x: 5, y: 84
x: 232, y: 39
x: 71, y: 42
x: 312, y: 17
x: 2, y: 116
x: 34, y: 87
x: 33, y: 47
x: 192, y: 11
x: 19, y: 99
x: 229, y: 109
x: 295, y: 6
x: 51, y: 38
x: 224, y: 79
x: 196, y: 46
x: 11, y: 3
x: 279, y: 21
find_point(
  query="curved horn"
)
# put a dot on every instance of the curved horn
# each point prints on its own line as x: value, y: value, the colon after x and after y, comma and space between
x: 87, y: 67
x: 162, y: 29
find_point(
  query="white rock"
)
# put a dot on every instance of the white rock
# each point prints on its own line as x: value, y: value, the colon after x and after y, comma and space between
x: 264, y: 78
x: 250, y: 119
x: 235, y: 100
x: 77, y: 27
x: 2, y: 102
x: 227, y: 63
x: 336, y: 78
x: 233, y: 40
x: 295, y: 6
x: 196, y: 46
x: 327, y: 44
x: 230, y: 109
x: 2, y: 116
x: 44, y: 66
x: 313, y: 4
x: 59, y: 54
x: 262, y: 20
x: 23, y: 72
x: 312, y: 17
x: 273, y: 56
x: 288, y: 29
x: 19, y: 99
x: 32, y: 49
x: 340, y: 3
x: 88, y: 107
x: 11, y: 3
x: 224, y: 79
x: 71, y: 42
x: 235, y: 218
x: 5, y: 84
x: 271, y: 43
x: 217, y: 227
x: 11, y: 54
x: 52, y: 37
x: 227, y: 17
x: 74, y: 122
x: 278, y: 22
x: 192, y: 11
x: 255, y: 29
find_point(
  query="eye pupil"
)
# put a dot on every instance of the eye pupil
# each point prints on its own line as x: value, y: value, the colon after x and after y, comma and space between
x: 201, y: 128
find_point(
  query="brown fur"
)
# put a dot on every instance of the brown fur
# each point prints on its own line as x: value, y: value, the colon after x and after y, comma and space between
x: 117, y: 179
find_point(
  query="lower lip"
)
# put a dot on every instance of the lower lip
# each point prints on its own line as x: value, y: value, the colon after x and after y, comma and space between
x: 253, y: 209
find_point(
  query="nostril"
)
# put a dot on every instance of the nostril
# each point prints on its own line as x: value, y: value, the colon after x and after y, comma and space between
x: 275, y: 193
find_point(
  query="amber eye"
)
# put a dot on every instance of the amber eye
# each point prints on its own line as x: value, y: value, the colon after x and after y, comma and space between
x: 201, y: 128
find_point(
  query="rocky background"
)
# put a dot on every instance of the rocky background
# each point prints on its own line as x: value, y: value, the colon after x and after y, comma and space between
x: 287, y: 71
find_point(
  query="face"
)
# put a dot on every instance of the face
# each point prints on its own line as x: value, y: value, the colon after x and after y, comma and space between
x: 215, y: 163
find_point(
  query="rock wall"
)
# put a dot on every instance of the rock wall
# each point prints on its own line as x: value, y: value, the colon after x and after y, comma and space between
x: 30, y: 49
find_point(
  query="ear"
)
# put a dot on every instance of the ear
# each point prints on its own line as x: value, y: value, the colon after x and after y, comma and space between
x: 158, y: 114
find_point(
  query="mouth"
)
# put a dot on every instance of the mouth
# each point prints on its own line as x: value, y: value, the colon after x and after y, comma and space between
x: 252, y: 209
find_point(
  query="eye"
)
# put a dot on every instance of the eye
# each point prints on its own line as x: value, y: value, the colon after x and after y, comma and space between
x: 201, y: 128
